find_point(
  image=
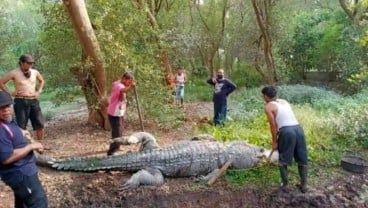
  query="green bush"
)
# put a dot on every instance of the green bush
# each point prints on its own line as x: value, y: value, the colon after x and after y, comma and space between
x: 198, y: 90
x: 352, y: 125
x: 243, y: 75
x: 246, y: 104
x: 300, y: 94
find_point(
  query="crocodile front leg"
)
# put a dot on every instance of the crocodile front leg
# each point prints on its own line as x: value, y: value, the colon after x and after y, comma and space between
x: 148, y: 176
x: 147, y: 140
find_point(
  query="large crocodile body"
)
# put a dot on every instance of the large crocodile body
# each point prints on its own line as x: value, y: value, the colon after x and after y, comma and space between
x: 186, y: 158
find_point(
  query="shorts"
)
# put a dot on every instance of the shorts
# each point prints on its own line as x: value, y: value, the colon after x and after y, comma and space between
x: 291, y: 144
x: 25, y: 109
x: 179, y: 92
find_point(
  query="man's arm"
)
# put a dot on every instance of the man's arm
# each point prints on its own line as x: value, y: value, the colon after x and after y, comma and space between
x: 22, y: 152
x: 41, y: 83
x: 8, y: 76
x: 125, y: 90
x: 231, y: 87
x: 271, y: 117
x: 185, y: 77
x: 211, y: 81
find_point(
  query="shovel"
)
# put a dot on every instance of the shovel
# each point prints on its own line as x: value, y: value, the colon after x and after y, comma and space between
x: 269, y: 156
x: 268, y: 159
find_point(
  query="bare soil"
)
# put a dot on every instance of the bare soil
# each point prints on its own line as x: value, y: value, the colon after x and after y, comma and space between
x: 70, y: 135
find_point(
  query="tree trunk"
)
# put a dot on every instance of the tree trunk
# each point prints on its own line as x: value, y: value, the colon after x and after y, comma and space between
x: 91, y: 78
x: 350, y: 12
x: 151, y: 9
x: 262, y: 15
x: 211, y: 47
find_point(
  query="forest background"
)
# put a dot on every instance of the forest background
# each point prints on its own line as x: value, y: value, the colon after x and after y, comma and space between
x: 257, y: 42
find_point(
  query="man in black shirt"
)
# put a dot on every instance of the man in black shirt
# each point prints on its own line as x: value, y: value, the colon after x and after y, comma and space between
x: 222, y: 88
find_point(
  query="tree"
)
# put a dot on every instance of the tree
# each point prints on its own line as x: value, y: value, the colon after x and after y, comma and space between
x: 355, y: 10
x: 262, y: 11
x: 209, y: 22
x: 92, y: 76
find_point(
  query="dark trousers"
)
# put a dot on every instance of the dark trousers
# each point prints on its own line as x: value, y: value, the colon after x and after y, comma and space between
x: 29, y: 193
x: 291, y: 143
x: 219, y: 113
x: 116, y: 124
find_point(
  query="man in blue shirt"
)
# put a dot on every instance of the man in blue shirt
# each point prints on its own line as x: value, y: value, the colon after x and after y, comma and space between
x: 222, y: 88
x: 17, y: 162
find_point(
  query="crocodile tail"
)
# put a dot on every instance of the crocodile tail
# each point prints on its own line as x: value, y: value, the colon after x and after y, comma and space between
x: 126, y: 162
x: 43, y: 161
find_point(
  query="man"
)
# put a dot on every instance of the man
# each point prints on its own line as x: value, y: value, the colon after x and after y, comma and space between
x: 117, y: 107
x: 27, y: 91
x: 287, y: 136
x: 222, y: 88
x: 180, y: 79
x: 17, y: 163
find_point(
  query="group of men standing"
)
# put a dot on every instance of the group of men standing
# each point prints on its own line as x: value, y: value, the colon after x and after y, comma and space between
x: 17, y: 161
x: 287, y: 135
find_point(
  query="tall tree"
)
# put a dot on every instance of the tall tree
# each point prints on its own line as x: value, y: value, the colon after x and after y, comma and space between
x: 209, y: 21
x: 152, y: 7
x: 92, y: 76
x: 262, y: 9
x: 355, y: 9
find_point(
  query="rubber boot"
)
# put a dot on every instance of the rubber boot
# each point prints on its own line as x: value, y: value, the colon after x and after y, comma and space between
x: 284, y: 175
x: 303, y: 173
x: 182, y: 102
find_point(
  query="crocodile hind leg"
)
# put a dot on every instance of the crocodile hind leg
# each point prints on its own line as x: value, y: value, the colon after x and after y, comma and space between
x: 203, y: 137
x: 148, y: 176
x: 206, y: 177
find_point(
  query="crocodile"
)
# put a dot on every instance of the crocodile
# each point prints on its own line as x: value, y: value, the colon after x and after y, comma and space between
x: 200, y: 156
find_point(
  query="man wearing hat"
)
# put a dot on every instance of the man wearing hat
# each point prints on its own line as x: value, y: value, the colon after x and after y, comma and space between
x: 17, y: 162
x: 28, y: 83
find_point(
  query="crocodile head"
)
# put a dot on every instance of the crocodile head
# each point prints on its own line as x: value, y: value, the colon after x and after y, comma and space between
x: 274, y: 157
x: 244, y: 155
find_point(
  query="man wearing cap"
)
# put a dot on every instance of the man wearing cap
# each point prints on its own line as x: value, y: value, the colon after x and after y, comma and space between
x: 17, y: 162
x: 28, y: 84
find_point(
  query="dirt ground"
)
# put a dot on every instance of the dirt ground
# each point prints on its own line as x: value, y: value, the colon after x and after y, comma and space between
x: 68, y: 134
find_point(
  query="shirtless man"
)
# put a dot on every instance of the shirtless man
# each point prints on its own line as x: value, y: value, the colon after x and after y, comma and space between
x: 27, y: 91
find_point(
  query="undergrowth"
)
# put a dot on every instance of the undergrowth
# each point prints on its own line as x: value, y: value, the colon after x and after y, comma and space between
x: 333, y: 123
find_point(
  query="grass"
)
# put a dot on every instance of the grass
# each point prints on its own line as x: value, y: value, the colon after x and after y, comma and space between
x: 322, y: 114
x: 262, y: 176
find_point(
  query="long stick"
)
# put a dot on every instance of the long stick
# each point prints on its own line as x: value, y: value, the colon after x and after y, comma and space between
x: 221, y: 171
x: 139, y: 108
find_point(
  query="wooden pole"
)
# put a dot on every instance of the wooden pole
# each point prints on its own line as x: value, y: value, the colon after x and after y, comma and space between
x: 139, y: 108
x: 222, y: 170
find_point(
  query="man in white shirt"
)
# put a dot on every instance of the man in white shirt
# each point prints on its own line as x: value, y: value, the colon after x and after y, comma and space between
x: 180, y: 79
x: 287, y: 137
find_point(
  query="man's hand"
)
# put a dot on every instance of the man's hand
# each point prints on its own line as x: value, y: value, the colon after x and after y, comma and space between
x: 214, y: 80
x: 274, y: 146
x: 38, y: 147
x: 26, y: 133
